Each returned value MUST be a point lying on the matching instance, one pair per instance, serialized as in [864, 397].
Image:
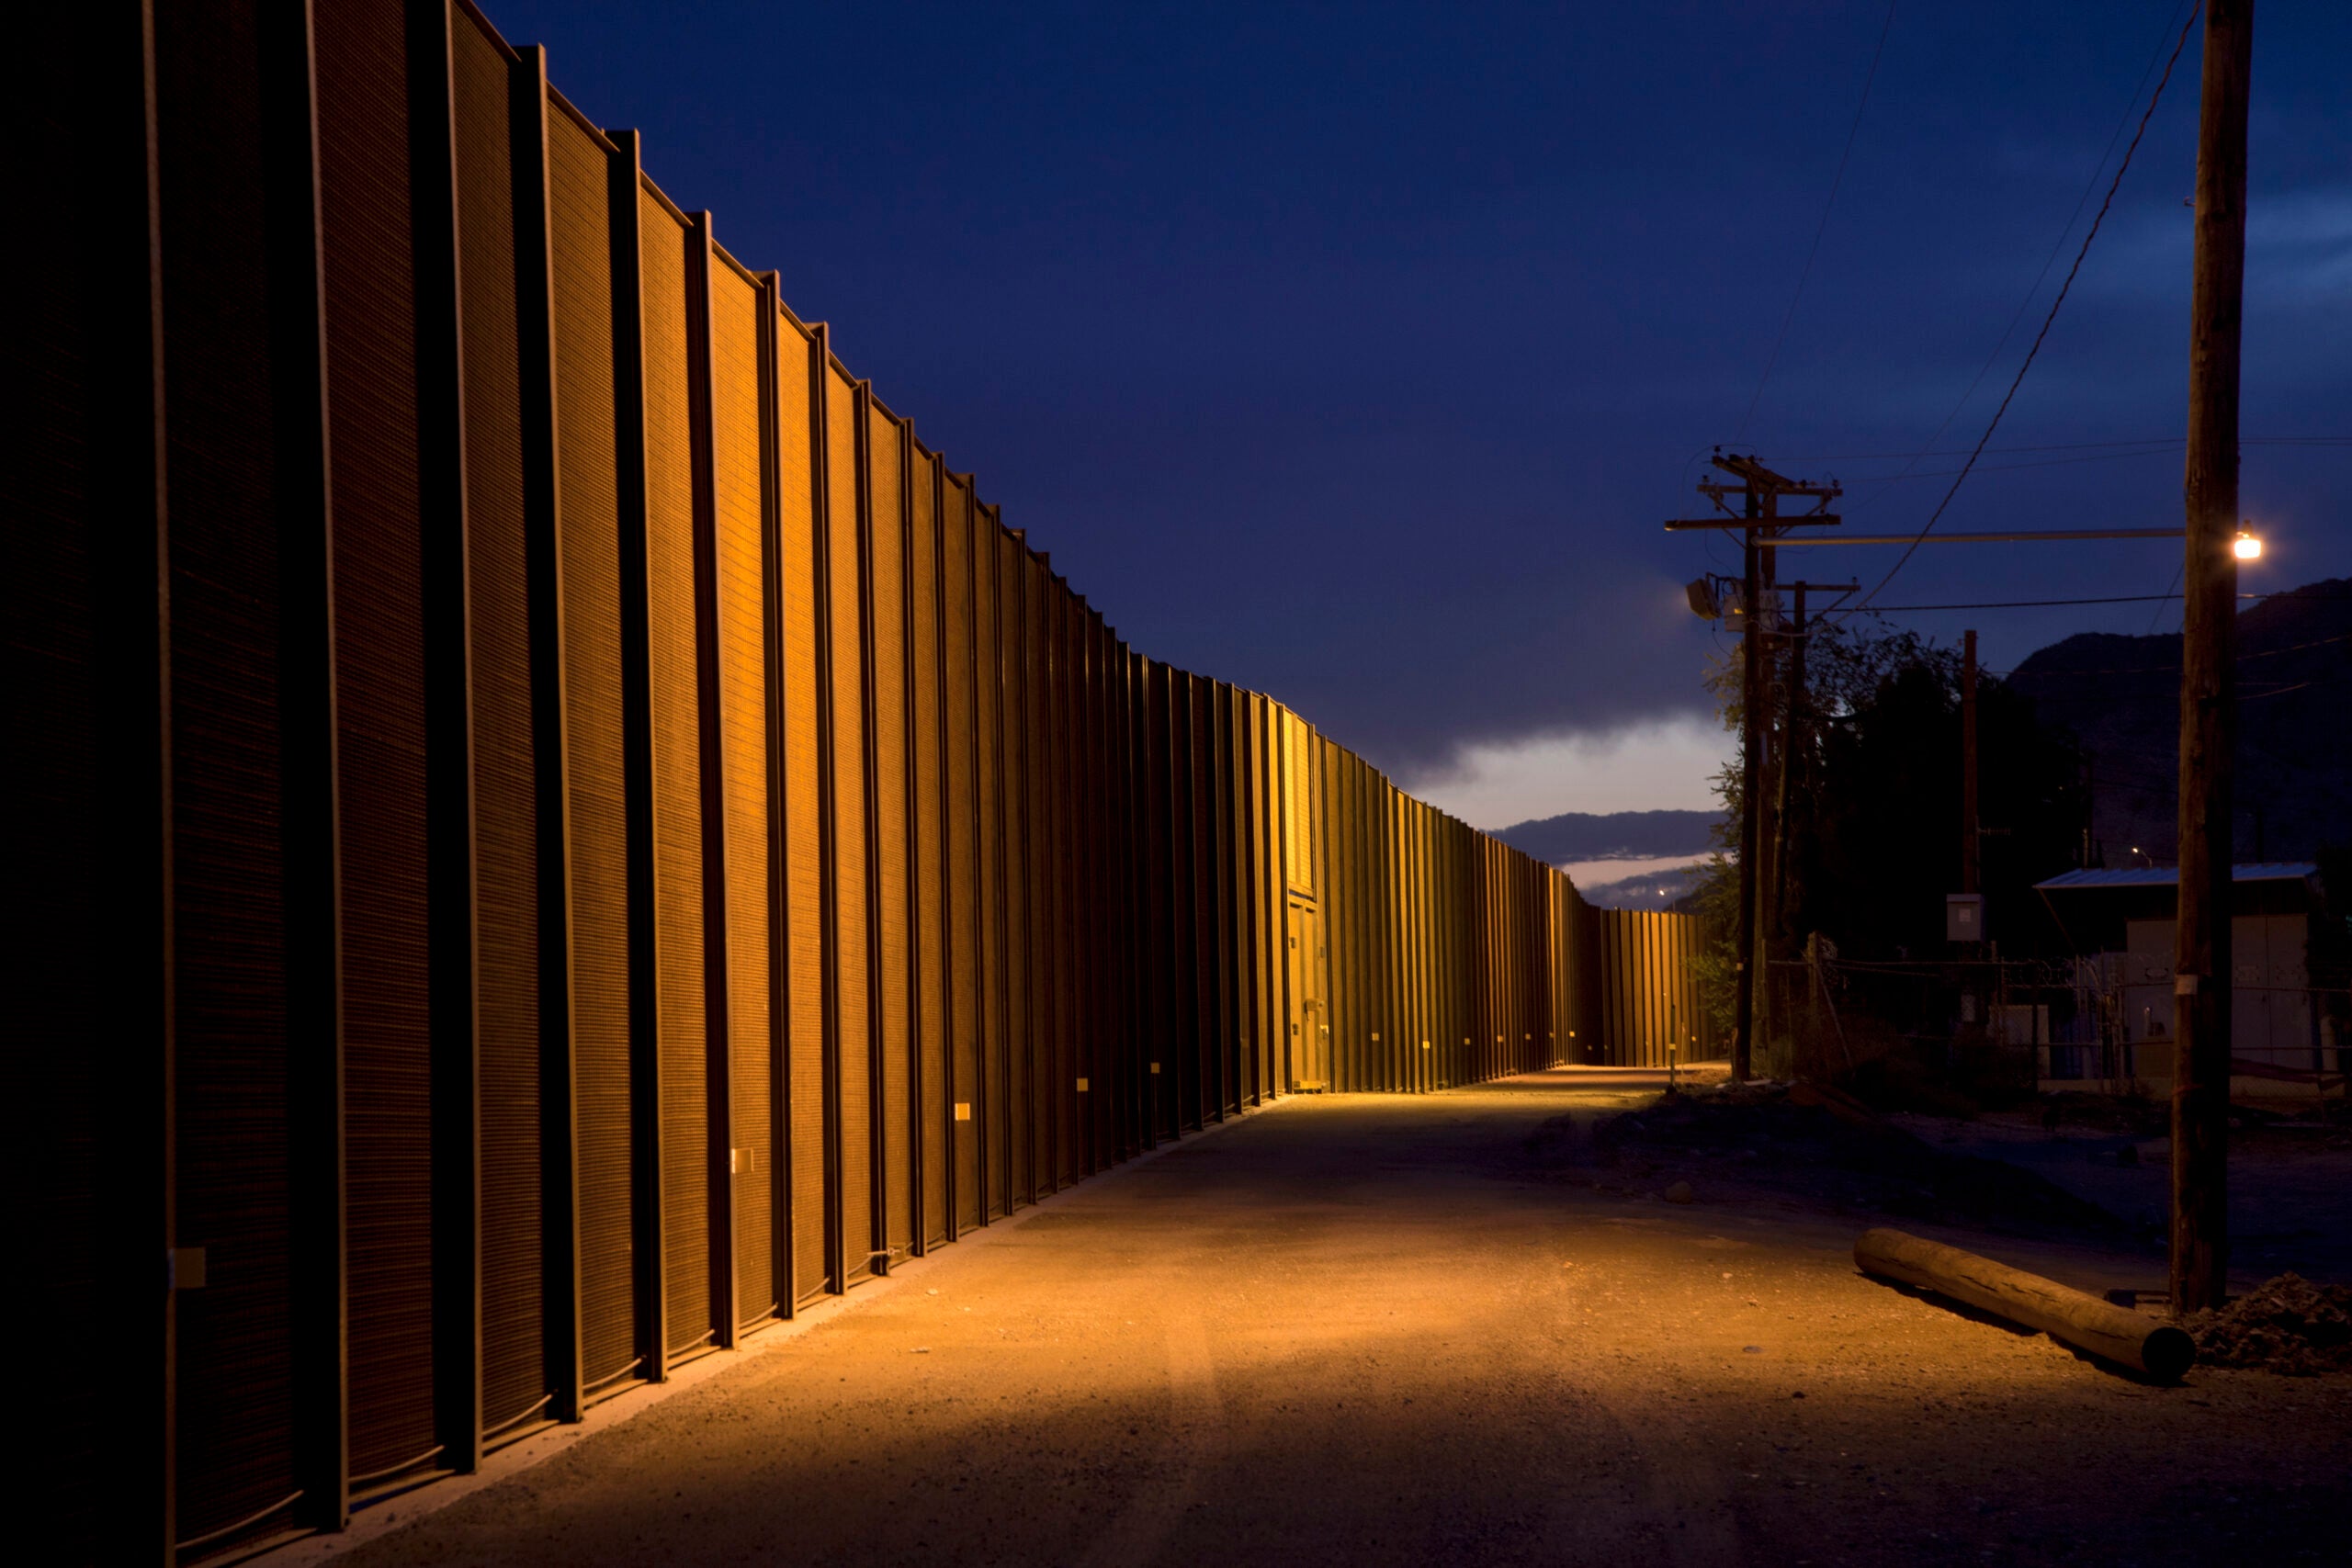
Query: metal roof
[2169, 876]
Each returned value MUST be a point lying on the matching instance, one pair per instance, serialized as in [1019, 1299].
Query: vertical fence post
[450, 833]
[551, 745]
[293, 248]
[651, 1242]
[783, 1241]
[719, 1116]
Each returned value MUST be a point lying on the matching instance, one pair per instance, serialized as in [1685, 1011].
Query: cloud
[2297, 243]
[1666, 765]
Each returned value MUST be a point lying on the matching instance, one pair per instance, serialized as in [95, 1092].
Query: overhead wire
[2016, 604]
[2078, 446]
[2106, 204]
[2043, 603]
[2171, 591]
[2175, 669]
[2057, 248]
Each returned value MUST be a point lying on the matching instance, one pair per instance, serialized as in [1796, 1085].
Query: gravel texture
[1373, 1330]
[1821, 1148]
[2287, 1325]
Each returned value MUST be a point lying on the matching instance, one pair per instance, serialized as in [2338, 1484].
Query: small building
[2283, 1040]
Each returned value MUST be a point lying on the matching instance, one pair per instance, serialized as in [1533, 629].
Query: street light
[2245, 546]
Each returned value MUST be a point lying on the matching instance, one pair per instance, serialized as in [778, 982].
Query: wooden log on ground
[2160, 1349]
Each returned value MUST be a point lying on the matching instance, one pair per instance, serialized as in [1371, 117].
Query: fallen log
[2160, 1349]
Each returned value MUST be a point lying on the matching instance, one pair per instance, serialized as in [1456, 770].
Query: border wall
[550, 829]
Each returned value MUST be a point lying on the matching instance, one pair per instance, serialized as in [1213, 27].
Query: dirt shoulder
[2290, 1182]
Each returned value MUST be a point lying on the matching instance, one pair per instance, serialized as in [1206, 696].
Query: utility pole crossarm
[1809, 519]
[1755, 475]
[1790, 486]
[1767, 703]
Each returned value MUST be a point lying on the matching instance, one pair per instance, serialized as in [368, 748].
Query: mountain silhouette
[1614, 835]
[2120, 696]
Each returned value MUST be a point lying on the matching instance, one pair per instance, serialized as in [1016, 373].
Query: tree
[1873, 832]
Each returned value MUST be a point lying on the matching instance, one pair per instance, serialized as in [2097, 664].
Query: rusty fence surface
[552, 830]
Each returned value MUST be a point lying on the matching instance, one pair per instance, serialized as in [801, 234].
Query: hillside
[2120, 695]
[1616, 835]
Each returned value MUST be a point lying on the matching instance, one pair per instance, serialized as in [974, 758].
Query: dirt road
[1363, 1330]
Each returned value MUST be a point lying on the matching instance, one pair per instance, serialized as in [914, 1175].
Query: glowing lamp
[2245, 546]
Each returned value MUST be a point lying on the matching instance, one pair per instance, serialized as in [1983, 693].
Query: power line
[2012, 467]
[2117, 599]
[2081, 452]
[2110, 698]
[2038, 463]
[2020, 604]
[2057, 248]
[2175, 669]
[1821, 228]
[2049, 320]
[2172, 591]
[2077, 446]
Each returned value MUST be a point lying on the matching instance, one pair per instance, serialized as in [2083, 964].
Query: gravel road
[1362, 1330]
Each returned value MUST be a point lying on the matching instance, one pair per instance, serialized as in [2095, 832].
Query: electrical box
[1963, 917]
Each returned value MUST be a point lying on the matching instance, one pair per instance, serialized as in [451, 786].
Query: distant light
[2245, 546]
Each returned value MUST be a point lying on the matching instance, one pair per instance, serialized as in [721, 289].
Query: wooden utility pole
[1788, 780]
[1776, 930]
[1751, 766]
[2201, 1091]
[1968, 841]
[1770, 741]
[1759, 520]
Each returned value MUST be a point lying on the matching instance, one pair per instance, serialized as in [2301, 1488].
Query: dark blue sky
[1354, 354]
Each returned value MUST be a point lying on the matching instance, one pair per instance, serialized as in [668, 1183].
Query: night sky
[1355, 353]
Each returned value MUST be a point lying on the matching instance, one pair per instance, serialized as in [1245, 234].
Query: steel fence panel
[967, 1017]
[1091, 898]
[742, 896]
[1158, 957]
[240, 644]
[988, 686]
[503, 763]
[928, 857]
[382, 443]
[1076, 993]
[1047, 973]
[1266, 874]
[596, 871]
[848, 819]
[1017, 1122]
[1047, 869]
[1362, 985]
[1346, 866]
[676, 739]
[1242, 897]
[1196, 956]
[804, 768]
[1209, 862]
[1216, 925]
[888, 763]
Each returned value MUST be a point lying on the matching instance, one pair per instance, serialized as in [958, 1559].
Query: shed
[2121, 924]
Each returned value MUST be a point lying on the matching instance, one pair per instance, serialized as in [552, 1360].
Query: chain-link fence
[1966, 1033]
